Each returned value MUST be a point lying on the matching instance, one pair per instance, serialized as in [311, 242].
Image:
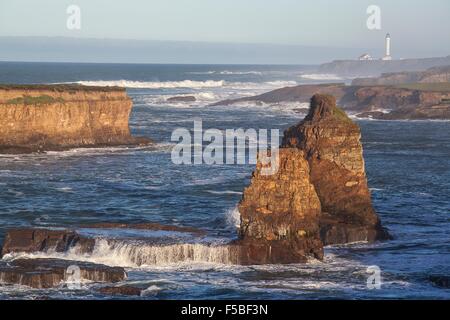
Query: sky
[418, 28]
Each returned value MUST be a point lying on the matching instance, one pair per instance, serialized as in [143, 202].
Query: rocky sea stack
[319, 196]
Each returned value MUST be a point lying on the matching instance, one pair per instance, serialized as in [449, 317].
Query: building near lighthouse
[387, 52]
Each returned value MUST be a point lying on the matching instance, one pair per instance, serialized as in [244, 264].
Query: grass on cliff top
[59, 87]
[341, 115]
[28, 100]
[439, 86]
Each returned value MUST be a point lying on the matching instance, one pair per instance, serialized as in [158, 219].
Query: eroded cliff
[54, 117]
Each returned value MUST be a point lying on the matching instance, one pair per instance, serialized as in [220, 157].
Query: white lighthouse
[387, 54]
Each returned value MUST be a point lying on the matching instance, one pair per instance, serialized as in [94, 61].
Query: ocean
[407, 163]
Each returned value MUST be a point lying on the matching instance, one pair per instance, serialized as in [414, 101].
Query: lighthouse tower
[387, 54]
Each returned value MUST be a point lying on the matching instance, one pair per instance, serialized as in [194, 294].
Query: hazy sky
[418, 28]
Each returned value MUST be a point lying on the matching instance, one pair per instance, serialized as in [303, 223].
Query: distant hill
[377, 67]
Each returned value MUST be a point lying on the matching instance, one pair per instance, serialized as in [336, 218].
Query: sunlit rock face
[331, 145]
[279, 214]
[54, 117]
[318, 196]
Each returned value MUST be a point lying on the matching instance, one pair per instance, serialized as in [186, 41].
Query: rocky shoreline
[319, 196]
[37, 118]
[423, 101]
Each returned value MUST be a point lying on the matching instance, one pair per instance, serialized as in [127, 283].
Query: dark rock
[49, 273]
[441, 281]
[302, 93]
[34, 240]
[120, 290]
[182, 99]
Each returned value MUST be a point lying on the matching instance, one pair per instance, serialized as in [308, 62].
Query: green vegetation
[341, 115]
[29, 100]
[438, 86]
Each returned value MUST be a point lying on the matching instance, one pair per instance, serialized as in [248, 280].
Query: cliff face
[319, 195]
[331, 143]
[279, 214]
[34, 118]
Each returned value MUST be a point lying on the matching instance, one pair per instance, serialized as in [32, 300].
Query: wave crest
[155, 84]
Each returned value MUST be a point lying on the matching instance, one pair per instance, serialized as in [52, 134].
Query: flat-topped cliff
[55, 117]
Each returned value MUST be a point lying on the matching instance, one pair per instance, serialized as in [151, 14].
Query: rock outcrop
[29, 240]
[302, 93]
[407, 101]
[49, 273]
[318, 196]
[55, 117]
[123, 290]
[332, 147]
[182, 99]
[279, 214]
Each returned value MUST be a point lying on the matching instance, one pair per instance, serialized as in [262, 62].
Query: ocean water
[407, 162]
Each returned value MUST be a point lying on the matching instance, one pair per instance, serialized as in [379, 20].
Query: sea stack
[331, 144]
[279, 214]
[318, 196]
[55, 117]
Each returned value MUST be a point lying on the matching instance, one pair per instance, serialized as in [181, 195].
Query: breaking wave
[136, 254]
[233, 217]
[227, 72]
[186, 84]
[155, 84]
[321, 76]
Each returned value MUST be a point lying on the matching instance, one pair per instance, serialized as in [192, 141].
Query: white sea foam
[223, 192]
[155, 84]
[233, 217]
[321, 76]
[134, 254]
[226, 72]
[193, 84]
